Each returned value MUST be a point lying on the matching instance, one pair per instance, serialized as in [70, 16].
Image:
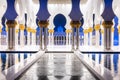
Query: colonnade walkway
[57, 66]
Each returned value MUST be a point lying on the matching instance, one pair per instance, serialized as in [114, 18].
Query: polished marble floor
[57, 66]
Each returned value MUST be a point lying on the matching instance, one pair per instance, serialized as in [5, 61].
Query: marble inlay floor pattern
[57, 66]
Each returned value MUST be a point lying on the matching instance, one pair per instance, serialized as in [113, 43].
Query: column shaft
[77, 38]
[11, 38]
[73, 38]
[45, 38]
[41, 31]
[107, 38]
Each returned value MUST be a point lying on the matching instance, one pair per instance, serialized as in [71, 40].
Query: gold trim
[90, 29]
[102, 31]
[85, 31]
[75, 24]
[11, 23]
[51, 31]
[17, 30]
[97, 27]
[0, 30]
[107, 24]
[68, 31]
[28, 29]
[112, 29]
[43, 24]
[21, 26]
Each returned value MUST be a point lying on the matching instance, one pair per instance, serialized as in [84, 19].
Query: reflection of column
[96, 59]
[28, 35]
[102, 38]
[97, 34]
[107, 61]
[107, 34]
[16, 58]
[11, 60]
[0, 59]
[112, 65]
[11, 33]
[119, 64]
[22, 27]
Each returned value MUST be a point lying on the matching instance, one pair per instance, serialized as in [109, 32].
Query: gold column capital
[90, 29]
[17, 30]
[33, 30]
[102, 31]
[11, 23]
[51, 31]
[0, 30]
[21, 26]
[28, 29]
[119, 30]
[112, 29]
[75, 24]
[97, 27]
[85, 31]
[107, 24]
[68, 31]
[43, 24]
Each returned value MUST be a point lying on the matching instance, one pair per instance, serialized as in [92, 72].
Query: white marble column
[22, 37]
[90, 34]
[97, 35]
[86, 37]
[69, 42]
[102, 37]
[67, 37]
[112, 37]
[6, 35]
[16, 37]
[49, 38]
[28, 35]
[119, 64]
[33, 36]
[52, 37]
[0, 36]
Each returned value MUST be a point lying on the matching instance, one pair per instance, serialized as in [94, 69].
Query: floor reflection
[9, 59]
[109, 61]
[57, 66]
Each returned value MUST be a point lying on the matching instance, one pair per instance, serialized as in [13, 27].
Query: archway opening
[59, 30]
[59, 22]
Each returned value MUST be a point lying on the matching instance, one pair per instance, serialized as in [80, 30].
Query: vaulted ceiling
[59, 1]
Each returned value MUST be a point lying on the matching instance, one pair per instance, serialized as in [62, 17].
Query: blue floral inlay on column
[43, 13]
[108, 13]
[75, 13]
[10, 13]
